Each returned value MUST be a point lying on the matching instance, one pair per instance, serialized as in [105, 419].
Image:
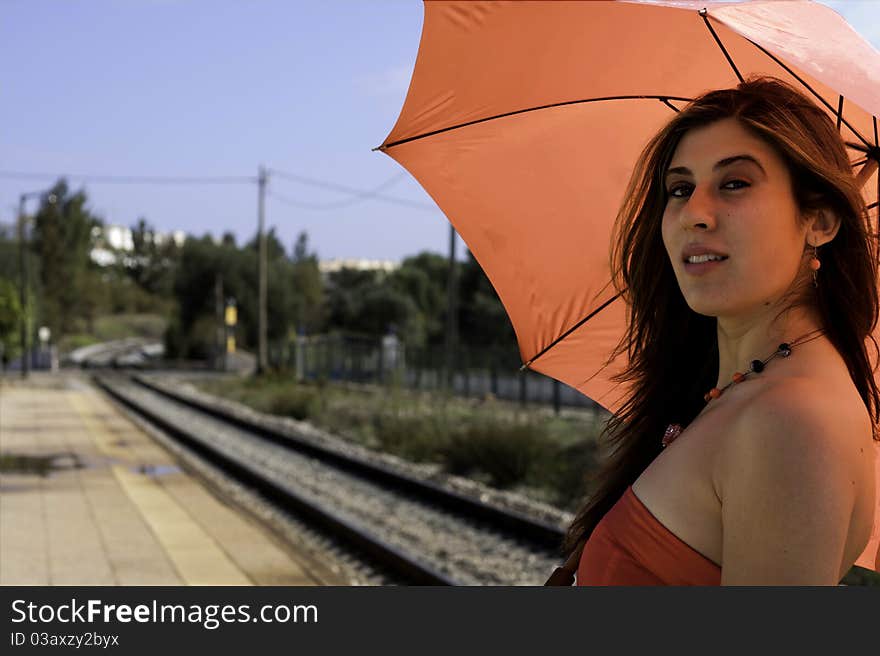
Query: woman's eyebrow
[727, 161]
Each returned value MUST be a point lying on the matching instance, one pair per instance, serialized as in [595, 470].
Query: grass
[117, 326]
[120, 326]
[496, 442]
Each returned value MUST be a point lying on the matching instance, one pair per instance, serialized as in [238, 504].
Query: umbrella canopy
[523, 121]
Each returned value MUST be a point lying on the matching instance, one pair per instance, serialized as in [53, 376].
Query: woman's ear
[822, 227]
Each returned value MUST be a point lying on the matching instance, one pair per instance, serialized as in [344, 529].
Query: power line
[130, 179]
[359, 198]
[359, 194]
[345, 203]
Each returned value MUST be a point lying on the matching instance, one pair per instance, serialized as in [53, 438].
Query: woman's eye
[683, 190]
[742, 184]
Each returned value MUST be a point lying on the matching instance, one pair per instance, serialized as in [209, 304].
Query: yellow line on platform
[198, 559]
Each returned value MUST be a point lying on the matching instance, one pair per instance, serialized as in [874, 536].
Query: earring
[814, 264]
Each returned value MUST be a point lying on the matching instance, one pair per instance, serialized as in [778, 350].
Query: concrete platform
[87, 498]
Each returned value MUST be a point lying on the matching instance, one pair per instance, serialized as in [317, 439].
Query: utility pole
[220, 328]
[451, 313]
[22, 289]
[23, 272]
[262, 360]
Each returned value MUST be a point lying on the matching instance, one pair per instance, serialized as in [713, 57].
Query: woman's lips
[702, 268]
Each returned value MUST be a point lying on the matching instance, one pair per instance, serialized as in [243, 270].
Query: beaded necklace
[756, 367]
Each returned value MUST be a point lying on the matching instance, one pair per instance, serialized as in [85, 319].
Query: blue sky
[215, 88]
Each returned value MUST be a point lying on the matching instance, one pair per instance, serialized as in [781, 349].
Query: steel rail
[386, 555]
[542, 533]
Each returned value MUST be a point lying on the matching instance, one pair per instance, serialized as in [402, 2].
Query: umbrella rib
[666, 102]
[529, 109]
[572, 329]
[813, 91]
[664, 99]
[871, 152]
[877, 145]
[600, 308]
[703, 13]
[838, 113]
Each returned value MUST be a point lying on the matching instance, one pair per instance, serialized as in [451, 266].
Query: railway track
[417, 530]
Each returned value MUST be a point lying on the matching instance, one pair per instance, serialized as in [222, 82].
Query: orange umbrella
[523, 121]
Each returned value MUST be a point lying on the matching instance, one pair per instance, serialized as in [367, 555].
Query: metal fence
[474, 372]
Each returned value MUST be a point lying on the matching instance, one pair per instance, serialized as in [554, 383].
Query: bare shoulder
[795, 462]
[802, 423]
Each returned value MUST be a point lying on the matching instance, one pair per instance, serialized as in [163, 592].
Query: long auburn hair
[673, 351]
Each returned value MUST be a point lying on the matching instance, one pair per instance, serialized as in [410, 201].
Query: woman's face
[729, 195]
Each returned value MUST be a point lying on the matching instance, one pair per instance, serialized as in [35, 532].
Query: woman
[735, 461]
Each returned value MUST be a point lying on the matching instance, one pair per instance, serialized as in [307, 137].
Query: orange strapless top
[630, 546]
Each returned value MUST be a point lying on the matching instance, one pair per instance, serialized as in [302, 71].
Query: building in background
[114, 241]
[360, 264]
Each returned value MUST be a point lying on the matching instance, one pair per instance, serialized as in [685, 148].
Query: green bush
[505, 451]
[552, 457]
[564, 472]
[120, 326]
[297, 402]
[420, 438]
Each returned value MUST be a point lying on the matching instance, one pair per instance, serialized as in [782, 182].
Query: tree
[202, 263]
[151, 263]
[62, 239]
[10, 319]
[345, 291]
[308, 287]
[367, 302]
[274, 247]
[423, 278]
[383, 307]
[483, 321]
[9, 252]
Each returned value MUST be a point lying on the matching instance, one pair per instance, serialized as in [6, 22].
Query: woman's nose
[699, 211]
